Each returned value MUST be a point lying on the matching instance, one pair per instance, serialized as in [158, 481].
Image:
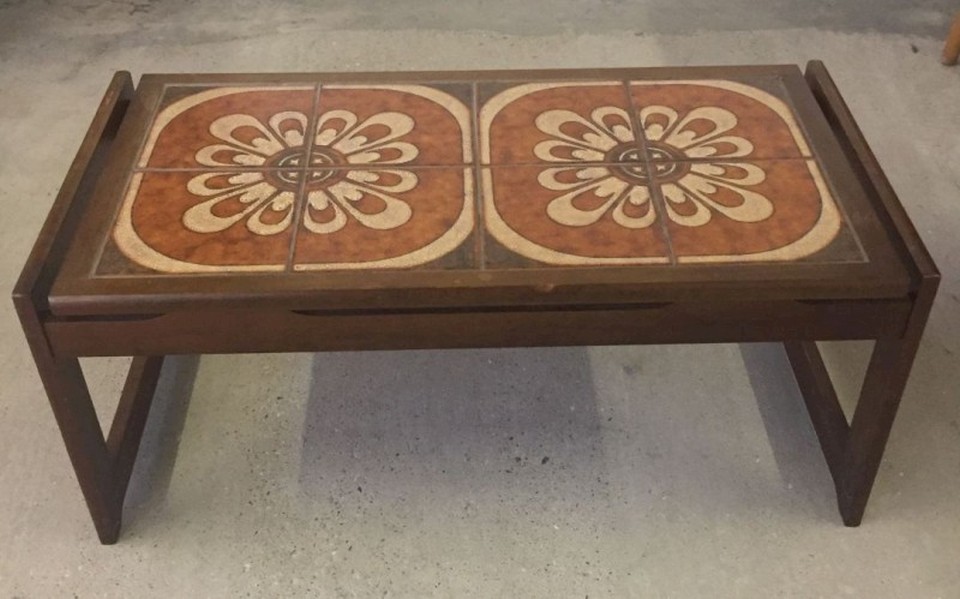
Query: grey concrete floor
[670, 471]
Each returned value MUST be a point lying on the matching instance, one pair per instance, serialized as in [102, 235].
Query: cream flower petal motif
[577, 139]
[364, 194]
[690, 201]
[591, 191]
[330, 207]
[663, 125]
[246, 196]
[688, 153]
[617, 196]
[264, 199]
[699, 143]
[371, 141]
[248, 142]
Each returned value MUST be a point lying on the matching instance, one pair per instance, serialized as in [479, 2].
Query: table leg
[102, 465]
[854, 451]
[872, 420]
[77, 419]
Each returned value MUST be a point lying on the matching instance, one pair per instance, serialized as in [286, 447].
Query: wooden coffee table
[311, 212]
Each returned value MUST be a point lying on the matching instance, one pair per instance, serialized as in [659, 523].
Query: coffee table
[357, 211]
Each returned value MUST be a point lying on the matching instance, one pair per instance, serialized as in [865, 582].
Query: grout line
[544, 164]
[479, 225]
[659, 204]
[271, 169]
[738, 159]
[280, 85]
[640, 142]
[461, 165]
[218, 169]
[300, 201]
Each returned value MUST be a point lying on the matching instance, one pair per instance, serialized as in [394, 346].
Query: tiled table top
[474, 175]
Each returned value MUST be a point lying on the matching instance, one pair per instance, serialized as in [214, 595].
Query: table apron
[253, 331]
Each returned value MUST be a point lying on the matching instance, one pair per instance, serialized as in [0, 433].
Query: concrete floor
[676, 471]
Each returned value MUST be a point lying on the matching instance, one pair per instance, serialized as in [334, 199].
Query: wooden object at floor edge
[951, 48]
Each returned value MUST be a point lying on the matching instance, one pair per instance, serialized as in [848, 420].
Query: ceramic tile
[556, 123]
[709, 119]
[206, 221]
[231, 127]
[383, 176]
[572, 215]
[393, 125]
[386, 218]
[769, 211]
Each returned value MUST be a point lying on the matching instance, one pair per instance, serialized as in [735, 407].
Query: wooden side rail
[868, 169]
[246, 331]
[47, 254]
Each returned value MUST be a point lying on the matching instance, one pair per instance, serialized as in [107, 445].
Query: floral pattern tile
[573, 215]
[557, 122]
[461, 175]
[769, 211]
[189, 221]
[692, 120]
[230, 178]
[399, 124]
[386, 218]
[232, 128]
[689, 212]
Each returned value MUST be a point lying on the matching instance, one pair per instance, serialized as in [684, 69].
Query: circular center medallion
[631, 167]
[287, 169]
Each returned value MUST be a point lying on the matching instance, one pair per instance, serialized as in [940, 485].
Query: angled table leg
[77, 419]
[853, 452]
[872, 421]
[102, 465]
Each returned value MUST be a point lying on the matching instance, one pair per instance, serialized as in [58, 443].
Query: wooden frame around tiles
[65, 316]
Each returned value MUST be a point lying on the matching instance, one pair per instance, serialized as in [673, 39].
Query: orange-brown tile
[388, 218]
[768, 211]
[393, 125]
[556, 123]
[186, 222]
[231, 127]
[715, 119]
[573, 215]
